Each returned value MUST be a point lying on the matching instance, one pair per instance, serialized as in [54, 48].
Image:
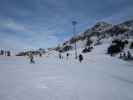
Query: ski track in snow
[99, 77]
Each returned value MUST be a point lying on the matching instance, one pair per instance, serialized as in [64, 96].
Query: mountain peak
[101, 26]
[102, 23]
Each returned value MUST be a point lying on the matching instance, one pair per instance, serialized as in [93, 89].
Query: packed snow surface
[98, 77]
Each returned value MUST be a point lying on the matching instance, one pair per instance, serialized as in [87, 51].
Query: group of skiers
[5, 53]
[80, 57]
[32, 60]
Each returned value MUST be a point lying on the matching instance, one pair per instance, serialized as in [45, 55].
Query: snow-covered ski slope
[98, 77]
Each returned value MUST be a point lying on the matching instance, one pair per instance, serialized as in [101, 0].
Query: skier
[40, 54]
[67, 55]
[129, 55]
[80, 58]
[121, 55]
[31, 58]
[8, 53]
[60, 56]
[2, 52]
[124, 54]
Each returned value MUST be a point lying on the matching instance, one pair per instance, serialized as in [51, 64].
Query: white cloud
[18, 42]
[14, 26]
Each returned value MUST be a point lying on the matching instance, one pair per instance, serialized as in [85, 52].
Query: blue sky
[46, 23]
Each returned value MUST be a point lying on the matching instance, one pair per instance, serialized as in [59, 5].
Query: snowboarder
[80, 58]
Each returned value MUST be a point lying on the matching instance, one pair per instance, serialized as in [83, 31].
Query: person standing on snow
[60, 55]
[129, 56]
[8, 53]
[31, 58]
[81, 58]
[67, 55]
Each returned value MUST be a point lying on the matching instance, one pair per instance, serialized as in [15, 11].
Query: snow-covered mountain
[100, 33]
[99, 27]
[100, 30]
